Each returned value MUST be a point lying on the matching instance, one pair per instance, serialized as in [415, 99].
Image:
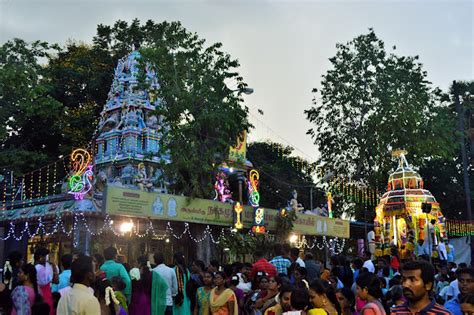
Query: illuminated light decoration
[259, 221]
[329, 196]
[238, 209]
[254, 196]
[221, 188]
[80, 182]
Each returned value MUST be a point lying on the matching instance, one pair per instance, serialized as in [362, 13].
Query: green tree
[372, 102]
[281, 173]
[30, 124]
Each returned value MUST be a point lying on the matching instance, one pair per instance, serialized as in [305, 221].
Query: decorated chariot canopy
[405, 211]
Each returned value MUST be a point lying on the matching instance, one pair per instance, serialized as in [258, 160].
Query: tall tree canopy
[372, 102]
[50, 107]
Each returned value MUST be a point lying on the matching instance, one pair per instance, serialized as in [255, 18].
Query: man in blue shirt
[465, 278]
[65, 276]
[279, 261]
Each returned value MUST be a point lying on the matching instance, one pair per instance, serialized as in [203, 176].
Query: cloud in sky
[283, 46]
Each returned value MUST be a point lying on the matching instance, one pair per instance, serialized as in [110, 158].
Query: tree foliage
[49, 108]
[372, 102]
[280, 174]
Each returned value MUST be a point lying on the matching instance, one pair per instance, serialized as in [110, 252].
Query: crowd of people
[289, 283]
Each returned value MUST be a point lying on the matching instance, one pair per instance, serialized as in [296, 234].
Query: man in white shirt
[295, 256]
[80, 300]
[368, 264]
[169, 276]
[443, 254]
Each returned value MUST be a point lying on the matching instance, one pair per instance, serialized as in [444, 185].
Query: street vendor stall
[406, 213]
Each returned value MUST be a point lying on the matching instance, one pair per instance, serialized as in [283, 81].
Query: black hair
[467, 298]
[234, 280]
[300, 299]
[40, 308]
[40, 252]
[462, 265]
[465, 271]
[369, 281]
[159, 258]
[284, 289]
[277, 249]
[427, 270]
[99, 290]
[66, 261]
[349, 295]
[200, 264]
[358, 263]
[396, 293]
[117, 283]
[295, 251]
[179, 259]
[322, 287]
[30, 270]
[286, 248]
[100, 259]
[110, 253]
[142, 260]
[308, 256]
[221, 274]
[247, 265]
[214, 263]
[302, 271]
[80, 268]
[15, 257]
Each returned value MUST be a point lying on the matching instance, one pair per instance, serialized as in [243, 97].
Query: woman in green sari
[202, 294]
[182, 305]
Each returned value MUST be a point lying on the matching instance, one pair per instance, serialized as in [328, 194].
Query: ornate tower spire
[129, 130]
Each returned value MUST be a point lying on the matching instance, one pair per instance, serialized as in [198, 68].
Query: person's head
[308, 256]
[98, 259]
[15, 258]
[465, 278]
[462, 265]
[295, 252]
[234, 281]
[110, 253]
[381, 263]
[213, 266]
[159, 258]
[27, 273]
[219, 279]
[467, 304]
[117, 283]
[367, 255]
[274, 283]
[396, 293]
[417, 280]
[207, 278]
[420, 242]
[346, 299]
[100, 290]
[82, 271]
[278, 249]
[299, 299]
[433, 221]
[285, 297]
[40, 255]
[246, 269]
[368, 285]
[299, 273]
[452, 265]
[66, 261]
[262, 281]
[197, 266]
[178, 259]
[321, 293]
[358, 263]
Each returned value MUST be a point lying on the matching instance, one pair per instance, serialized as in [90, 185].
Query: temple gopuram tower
[128, 134]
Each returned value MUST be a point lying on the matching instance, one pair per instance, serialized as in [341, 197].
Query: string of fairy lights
[80, 223]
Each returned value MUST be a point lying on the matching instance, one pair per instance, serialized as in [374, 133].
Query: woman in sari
[182, 305]
[222, 300]
[46, 274]
[202, 294]
[25, 294]
[141, 290]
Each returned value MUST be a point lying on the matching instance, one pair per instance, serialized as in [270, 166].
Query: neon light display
[80, 182]
[254, 196]
[238, 209]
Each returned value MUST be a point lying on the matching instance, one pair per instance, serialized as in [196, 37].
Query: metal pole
[311, 198]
